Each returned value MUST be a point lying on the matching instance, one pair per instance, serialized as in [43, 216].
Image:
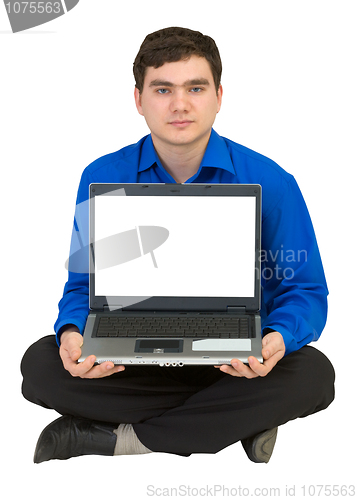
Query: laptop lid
[175, 247]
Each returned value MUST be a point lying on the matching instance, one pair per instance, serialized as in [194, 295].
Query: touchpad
[158, 345]
[222, 345]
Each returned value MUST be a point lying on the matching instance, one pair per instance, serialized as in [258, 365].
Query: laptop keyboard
[211, 327]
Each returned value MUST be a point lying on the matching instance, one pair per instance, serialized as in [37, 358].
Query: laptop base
[170, 351]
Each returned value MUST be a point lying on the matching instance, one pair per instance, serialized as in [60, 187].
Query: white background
[289, 83]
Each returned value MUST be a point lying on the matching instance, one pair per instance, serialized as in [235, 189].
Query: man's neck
[182, 161]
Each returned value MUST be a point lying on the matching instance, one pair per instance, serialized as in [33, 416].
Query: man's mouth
[181, 123]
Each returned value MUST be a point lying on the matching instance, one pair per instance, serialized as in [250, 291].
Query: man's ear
[219, 98]
[137, 97]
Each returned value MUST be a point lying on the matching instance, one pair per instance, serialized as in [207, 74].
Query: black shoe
[259, 448]
[69, 437]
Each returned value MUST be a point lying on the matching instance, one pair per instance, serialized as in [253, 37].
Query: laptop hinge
[236, 310]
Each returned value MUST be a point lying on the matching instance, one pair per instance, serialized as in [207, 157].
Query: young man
[125, 410]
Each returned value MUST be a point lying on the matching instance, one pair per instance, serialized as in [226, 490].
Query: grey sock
[128, 442]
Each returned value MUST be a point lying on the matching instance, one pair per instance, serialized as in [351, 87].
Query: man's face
[179, 102]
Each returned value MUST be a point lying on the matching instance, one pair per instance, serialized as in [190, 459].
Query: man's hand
[273, 350]
[70, 352]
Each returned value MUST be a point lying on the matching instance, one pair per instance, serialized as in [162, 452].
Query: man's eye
[196, 89]
[162, 91]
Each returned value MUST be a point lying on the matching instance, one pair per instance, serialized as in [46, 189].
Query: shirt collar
[216, 154]
[148, 154]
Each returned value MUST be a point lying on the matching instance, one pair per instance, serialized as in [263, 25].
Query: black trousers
[183, 410]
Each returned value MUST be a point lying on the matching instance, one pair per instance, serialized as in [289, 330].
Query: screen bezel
[204, 304]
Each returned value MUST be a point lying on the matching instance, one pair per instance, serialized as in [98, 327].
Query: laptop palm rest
[222, 345]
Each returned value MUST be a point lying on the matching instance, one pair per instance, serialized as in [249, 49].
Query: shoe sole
[263, 445]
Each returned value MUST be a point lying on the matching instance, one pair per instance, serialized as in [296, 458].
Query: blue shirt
[294, 290]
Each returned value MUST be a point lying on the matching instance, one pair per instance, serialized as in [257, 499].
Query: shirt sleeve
[74, 305]
[294, 290]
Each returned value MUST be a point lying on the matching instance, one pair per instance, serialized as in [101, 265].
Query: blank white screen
[210, 251]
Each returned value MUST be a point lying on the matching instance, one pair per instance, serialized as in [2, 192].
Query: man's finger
[72, 345]
[262, 369]
[74, 353]
[230, 370]
[238, 369]
[103, 370]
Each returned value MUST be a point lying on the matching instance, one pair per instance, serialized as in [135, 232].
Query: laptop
[174, 274]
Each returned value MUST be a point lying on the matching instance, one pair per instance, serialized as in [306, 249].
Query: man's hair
[172, 45]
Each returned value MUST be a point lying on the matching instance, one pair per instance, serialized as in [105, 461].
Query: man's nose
[180, 101]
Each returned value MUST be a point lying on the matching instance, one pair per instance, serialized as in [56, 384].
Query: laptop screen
[175, 246]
